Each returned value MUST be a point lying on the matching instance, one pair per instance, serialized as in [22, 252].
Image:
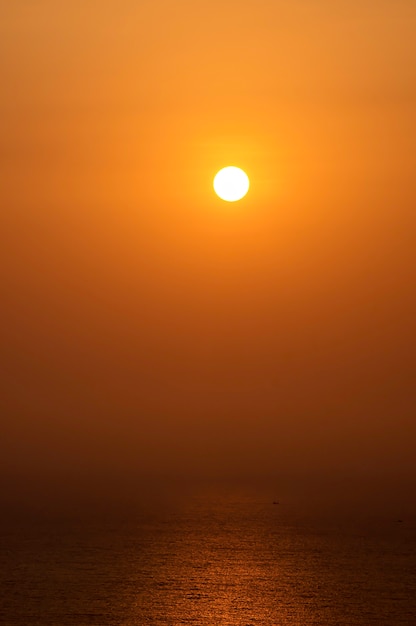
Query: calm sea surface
[215, 558]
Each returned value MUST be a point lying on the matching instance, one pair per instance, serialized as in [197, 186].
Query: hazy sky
[147, 325]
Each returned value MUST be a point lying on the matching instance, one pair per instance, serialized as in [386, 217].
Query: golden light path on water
[212, 558]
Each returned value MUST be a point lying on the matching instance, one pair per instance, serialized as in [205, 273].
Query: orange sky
[148, 326]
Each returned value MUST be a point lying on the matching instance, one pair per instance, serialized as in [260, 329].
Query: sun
[231, 184]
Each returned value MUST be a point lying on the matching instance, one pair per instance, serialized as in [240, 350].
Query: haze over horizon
[149, 329]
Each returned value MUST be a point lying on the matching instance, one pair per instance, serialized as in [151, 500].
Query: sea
[210, 556]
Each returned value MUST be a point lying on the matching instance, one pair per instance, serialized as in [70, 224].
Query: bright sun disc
[231, 184]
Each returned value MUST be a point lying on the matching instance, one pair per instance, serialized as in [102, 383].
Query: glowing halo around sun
[231, 184]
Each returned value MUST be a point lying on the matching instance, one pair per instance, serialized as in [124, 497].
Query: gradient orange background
[148, 326]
